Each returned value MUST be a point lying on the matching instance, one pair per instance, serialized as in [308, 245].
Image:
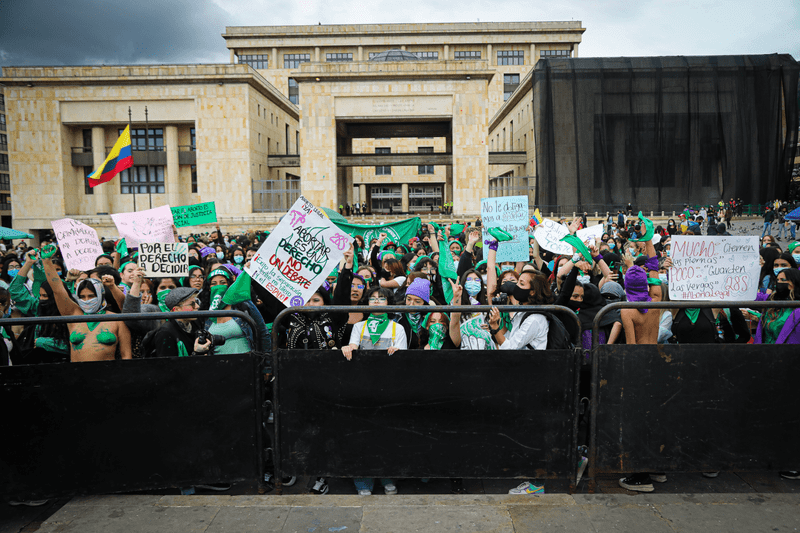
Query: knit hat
[613, 288]
[207, 251]
[421, 288]
[636, 288]
[179, 294]
[793, 246]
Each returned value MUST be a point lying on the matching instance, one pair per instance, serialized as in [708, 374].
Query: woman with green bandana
[350, 290]
[417, 293]
[162, 289]
[428, 266]
[435, 332]
[126, 275]
[44, 343]
[378, 332]
[89, 341]
[136, 302]
[369, 275]
[224, 293]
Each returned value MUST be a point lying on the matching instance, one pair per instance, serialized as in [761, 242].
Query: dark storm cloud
[76, 32]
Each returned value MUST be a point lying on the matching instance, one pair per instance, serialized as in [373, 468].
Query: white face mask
[584, 279]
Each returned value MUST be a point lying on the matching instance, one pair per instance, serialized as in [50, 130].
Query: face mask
[485, 278]
[217, 292]
[612, 245]
[92, 305]
[796, 258]
[456, 252]
[664, 278]
[506, 268]
[13, 272]
[473, 287]
[584, 280]
[238, 259]
[778, 270]
[782, 290]
[521, 295]
[220, 255]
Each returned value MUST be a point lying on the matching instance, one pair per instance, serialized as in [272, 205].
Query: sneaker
[390, 489]
[29, 503]
[659, 478]
[637, 483]
[710, 474]
[365, 492]
[790, 474]
[219, 487]
[320, 487]
[527, 487]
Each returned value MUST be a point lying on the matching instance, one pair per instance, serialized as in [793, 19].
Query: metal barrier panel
[128, 425]
[697, 407]
[418, 413]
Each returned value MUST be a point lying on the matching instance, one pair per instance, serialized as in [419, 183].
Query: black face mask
[782, 291]
[508, 287]
[521, 295]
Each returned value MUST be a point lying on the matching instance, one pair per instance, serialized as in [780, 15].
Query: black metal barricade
[694, 407]
[129, 425]
[416, 413]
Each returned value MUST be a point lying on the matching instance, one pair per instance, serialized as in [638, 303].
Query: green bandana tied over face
[160, 295]
[217, 292]
[436, 336]
[414, 319]
[693, 314]
[376, 325]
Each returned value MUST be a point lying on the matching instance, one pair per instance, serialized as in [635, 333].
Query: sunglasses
[358, 286]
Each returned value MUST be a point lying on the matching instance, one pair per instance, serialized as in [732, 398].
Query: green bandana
[126, 263]
[221, 272]
[436, 336]
[217, 292]
[693, 314]
[122, 247]
[238, 292]
[182, 350]
[376, 325]
[160, 295]
[414, 319]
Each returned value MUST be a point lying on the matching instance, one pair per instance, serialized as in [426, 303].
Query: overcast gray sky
[76, 32]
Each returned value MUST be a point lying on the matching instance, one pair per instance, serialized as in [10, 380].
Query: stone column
[360, 53]
[489, 57]
[575, 50]
[274, 59]
[316, 54]
[362, 193]
[404, 201]
[533, 54]
[101, 192]
[172, 185]
[318, 139]
[446, 52]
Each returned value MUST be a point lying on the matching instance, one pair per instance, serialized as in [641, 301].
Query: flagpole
[147, 152]
[132, 170]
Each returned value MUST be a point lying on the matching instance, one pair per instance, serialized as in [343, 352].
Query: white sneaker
[390, 489]
[526, 487]
[365, 492]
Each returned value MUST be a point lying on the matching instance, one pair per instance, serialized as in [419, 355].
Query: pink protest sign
[78, 243]
[152, 225]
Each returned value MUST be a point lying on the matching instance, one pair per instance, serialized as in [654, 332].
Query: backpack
[557, 335]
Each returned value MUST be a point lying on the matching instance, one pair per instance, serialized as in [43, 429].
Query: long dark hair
[769, 254]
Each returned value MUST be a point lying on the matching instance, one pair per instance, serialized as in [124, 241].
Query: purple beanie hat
[636, 288]
[207, 251]
[421, 288]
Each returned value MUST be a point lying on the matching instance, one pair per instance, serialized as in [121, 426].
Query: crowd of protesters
[449, 264]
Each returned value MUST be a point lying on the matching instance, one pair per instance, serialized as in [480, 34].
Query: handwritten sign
[714, 268]
[78, 243]
[152, 225]
[591, 233]
[194, 215]
[164, 259]
[299, 254]
[548, 234]
[509, 213]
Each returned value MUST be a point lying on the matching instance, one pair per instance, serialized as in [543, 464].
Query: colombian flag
[118, 160]
[537, 217]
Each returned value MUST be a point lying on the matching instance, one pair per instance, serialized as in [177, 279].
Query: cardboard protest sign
[591, 233]
[152, 225]
[509, 213]
[194, 215]
[714, 268]
[78, 243]
[164, 259]
[548, 234]
[299, 254]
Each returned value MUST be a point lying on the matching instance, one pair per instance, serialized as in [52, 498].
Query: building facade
[5, 176]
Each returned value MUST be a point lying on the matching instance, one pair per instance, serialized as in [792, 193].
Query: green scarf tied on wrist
[376, 325]
[436, 336]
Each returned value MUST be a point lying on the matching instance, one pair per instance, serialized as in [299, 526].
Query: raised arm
[491, 269]
[66, 305]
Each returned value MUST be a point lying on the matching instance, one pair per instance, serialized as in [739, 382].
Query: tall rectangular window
[153, 141]
[194, 178]
[555, 53]
[5, 182]
[425, 169]
[294, 91]
[468, 54]
[294, 60]
[510, 84]
[3, 161]
[511, 57]
[5, 202]
[338, 57]
[427, 56]
[255, 61]
[87, 140]
[383, 170]
[140, 182]
[86, 188]
[193, 139]
[2, 122]
[3, 142]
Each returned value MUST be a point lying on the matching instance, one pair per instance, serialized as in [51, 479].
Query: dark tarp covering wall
[660, 131]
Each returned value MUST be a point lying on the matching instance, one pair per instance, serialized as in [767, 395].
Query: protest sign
[509, 213]
[78, 243]
[194, 215]
[397, 232]
[548, 234]
[152, 225]
[714, 268]
[299, 254]
[164, 259]
[586, 235]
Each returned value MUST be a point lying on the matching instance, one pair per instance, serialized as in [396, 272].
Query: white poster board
[78, 242]
[152, 225]
[714, 268]
[548, 234]
[164, 259]
[586, 235]
[299, 254]
[509, 213]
